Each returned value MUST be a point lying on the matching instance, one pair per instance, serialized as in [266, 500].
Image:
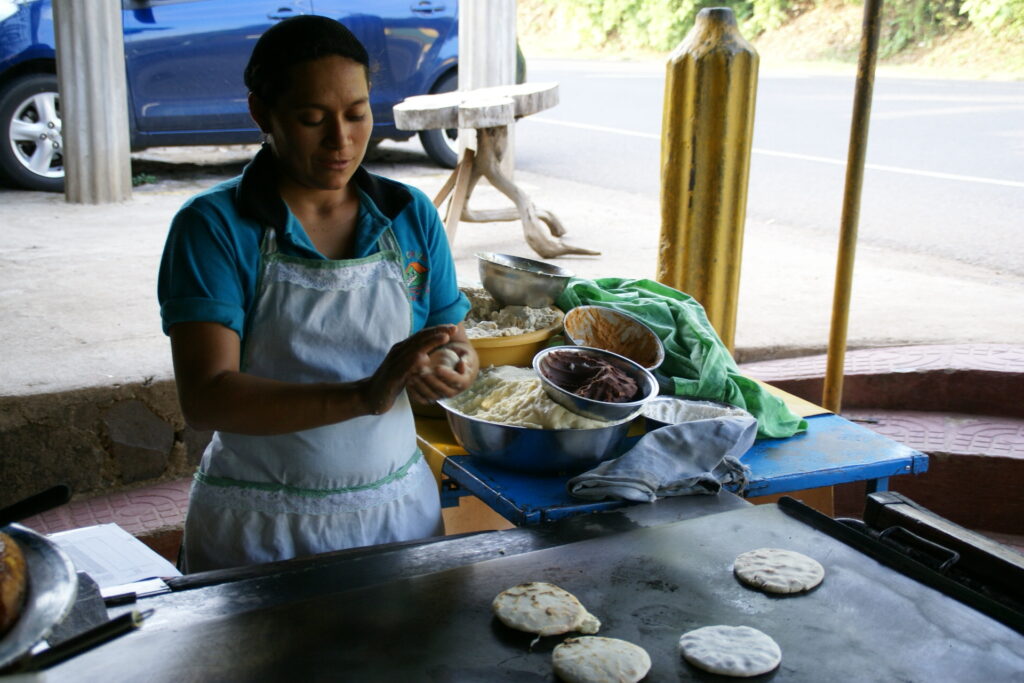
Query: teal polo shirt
[210, 263]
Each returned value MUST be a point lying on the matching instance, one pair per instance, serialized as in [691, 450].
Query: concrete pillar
[93, 101]
[707, 131]
[487, 57]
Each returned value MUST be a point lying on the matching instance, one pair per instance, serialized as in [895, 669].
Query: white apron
[359, 482]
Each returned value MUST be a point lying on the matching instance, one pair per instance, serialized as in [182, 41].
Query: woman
[292, 296]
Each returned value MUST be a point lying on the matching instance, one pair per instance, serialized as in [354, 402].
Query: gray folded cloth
[690, 458]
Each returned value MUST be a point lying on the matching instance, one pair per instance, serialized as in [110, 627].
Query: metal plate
[647, 586]
[52, 587]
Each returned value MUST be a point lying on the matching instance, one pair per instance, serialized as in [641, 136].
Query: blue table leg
[451, 492]
[876, 485]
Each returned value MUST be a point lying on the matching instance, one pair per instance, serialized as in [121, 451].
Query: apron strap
[387, 242]
[268, 245]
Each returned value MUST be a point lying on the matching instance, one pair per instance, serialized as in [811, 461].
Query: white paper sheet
[112, 556]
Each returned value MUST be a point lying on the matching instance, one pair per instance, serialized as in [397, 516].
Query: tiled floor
[140, 512]
[950, 433]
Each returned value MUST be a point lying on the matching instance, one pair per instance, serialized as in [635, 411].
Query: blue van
[184, 63]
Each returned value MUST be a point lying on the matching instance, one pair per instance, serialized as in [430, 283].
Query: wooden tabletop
[481, 108]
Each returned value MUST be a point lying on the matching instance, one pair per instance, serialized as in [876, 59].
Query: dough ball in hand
[441, 357]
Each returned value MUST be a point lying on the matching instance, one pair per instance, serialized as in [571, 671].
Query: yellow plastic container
[517, 350]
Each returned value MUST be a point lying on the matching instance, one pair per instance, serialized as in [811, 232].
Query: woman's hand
[405, 363]
[443, 380]
[215, 395]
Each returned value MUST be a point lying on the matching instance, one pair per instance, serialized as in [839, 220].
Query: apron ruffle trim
[332, 275]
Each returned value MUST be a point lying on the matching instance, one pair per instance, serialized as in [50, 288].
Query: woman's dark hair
[294, 41]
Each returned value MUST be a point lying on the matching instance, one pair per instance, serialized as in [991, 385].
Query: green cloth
[697, 363]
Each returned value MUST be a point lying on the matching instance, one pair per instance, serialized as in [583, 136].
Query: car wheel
[443, 145]
[32, 149]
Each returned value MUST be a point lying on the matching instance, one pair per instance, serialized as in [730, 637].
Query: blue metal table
[832, 451]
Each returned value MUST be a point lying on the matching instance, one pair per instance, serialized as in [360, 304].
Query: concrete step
[977, 458]
[983, 379]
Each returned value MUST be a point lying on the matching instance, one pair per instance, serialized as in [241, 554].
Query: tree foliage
[662, 24]
[651, 24]
[911, 22]
[995, 16]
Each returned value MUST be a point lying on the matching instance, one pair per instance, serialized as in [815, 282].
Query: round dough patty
[593, 659]
[774, 570]
[730, 650]
[544, 609]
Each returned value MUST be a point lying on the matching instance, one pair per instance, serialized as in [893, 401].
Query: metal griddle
[865, 622]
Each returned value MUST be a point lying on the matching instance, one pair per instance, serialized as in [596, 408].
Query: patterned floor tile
[138, 511]
[986, 357]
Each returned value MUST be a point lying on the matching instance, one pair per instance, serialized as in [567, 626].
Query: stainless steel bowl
[647, 385]
[52, 589]
[615, 331]
[669, 410]
[536, 451]
[518, 281]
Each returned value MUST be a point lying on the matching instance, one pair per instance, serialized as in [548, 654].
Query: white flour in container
[514, 396]
[487, 319]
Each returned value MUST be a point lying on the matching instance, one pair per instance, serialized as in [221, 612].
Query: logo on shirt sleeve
[416, 276]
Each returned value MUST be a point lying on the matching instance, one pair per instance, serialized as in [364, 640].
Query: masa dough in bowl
[486, 318]
[514, 396]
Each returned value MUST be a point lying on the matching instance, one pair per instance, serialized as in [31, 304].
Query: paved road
[945, 160]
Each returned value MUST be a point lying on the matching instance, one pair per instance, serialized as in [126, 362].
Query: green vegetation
[912, 22]
[660, 24]
[143, 179]
[996, 16]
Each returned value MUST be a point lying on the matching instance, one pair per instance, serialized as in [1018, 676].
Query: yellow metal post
[707, 130]
[832, 395]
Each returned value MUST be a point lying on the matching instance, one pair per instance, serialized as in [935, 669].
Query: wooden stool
[489, 111]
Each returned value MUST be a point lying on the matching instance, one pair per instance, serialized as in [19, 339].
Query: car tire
[30, 112]
[442, 146]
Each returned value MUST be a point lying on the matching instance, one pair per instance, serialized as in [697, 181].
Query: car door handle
[426, 7]
[282, 13]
